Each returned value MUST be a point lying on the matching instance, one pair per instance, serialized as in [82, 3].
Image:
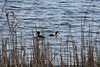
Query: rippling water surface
[49, 16]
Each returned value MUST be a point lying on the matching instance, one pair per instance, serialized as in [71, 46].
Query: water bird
[54, 34]
[38, 35]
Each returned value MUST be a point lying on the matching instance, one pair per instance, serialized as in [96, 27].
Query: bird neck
[55, 33]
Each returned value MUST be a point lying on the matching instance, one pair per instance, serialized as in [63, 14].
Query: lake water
[51, 16]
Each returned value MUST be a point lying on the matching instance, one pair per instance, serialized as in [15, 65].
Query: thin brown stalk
[67, 53]
[73, 52]
[70, 60]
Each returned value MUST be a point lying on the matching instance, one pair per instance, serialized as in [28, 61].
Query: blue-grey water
[49, 16]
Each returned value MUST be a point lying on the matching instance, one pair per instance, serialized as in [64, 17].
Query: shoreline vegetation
[11, 56]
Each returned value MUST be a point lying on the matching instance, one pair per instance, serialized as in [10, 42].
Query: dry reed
[42, 57]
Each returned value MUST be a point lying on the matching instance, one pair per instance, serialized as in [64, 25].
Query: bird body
[38, 35]
[53, 34]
